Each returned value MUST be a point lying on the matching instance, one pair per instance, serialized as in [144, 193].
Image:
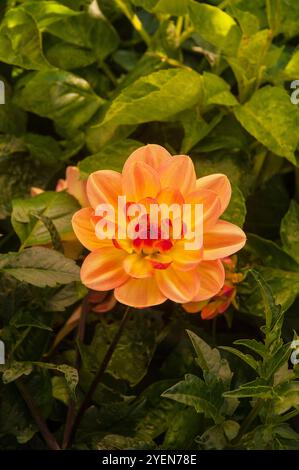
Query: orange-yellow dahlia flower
[146, 271]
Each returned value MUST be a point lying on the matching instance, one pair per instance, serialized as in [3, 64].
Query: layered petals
[177, 285]
[141, 182]
[140, 293]
[212, 208]
[137, 266]
[103, 269]
[212, 276]
[104, 187]
[84, 229]
[218, 183]
[152, 154]
[222, 240]
[180, 174]
[183, 259]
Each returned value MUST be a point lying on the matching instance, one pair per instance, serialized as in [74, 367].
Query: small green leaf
[59, 207]
[248, 359]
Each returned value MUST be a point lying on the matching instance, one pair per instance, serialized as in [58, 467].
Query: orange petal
[170, 196]
[140, 293]
[212, 208]
[179, 174]
[140, 181]
[212, 276]
[222, 240]
[84, 229]
[152, 154]
[137, 266]
[193, 307]
[75, 185]
[176, 285]
[184, 260]
[104, 187]
[103, 269]
[36, 191]
[219, 184]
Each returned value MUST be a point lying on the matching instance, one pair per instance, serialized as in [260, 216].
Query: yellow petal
[84, 229]
[137, 266]
[140, 293]
[179, 174]
[222, 240]
[104, 187]
[218, 183]
[177, 285]
[152, 154]
[140, 181]
[212, 276]
[103, 269]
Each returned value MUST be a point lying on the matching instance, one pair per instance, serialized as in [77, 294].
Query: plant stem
[108, 72]
[99, 375]
[37, 415]
[72, 405]
[248, 420]
[133, 18]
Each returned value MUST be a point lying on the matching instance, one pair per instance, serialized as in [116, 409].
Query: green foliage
[86, 83]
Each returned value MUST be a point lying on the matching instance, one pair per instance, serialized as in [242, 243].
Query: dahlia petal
[140, 293]
[212, 208]
[85, 230]
[103, 269]
[184, 260]
[179, 174]
[218, 183]
[222, 240]
[104, 187]
[75, 185]
[140, 181]
[152, 154]
[178, 286]
[137, 266]
[212, 277]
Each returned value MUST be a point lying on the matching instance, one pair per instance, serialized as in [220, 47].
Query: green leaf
[272, 311]
[215, 26]
[85, 29]
[256, 389]
[56, 206]
[170, 7]
[236, 211]
[43, 148]
[134, 352]
[253, 345]
[279, 270]
[70, 374]
[289, 231]
[247, 358]
[40, 266]
[156, 97]
[58, 95]
[15, 370]
[20, 41]
[185, 426]
[272, 119]
[25, 319]
[111, 157]
[216, 91]
[209, 359]
[194, 392]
